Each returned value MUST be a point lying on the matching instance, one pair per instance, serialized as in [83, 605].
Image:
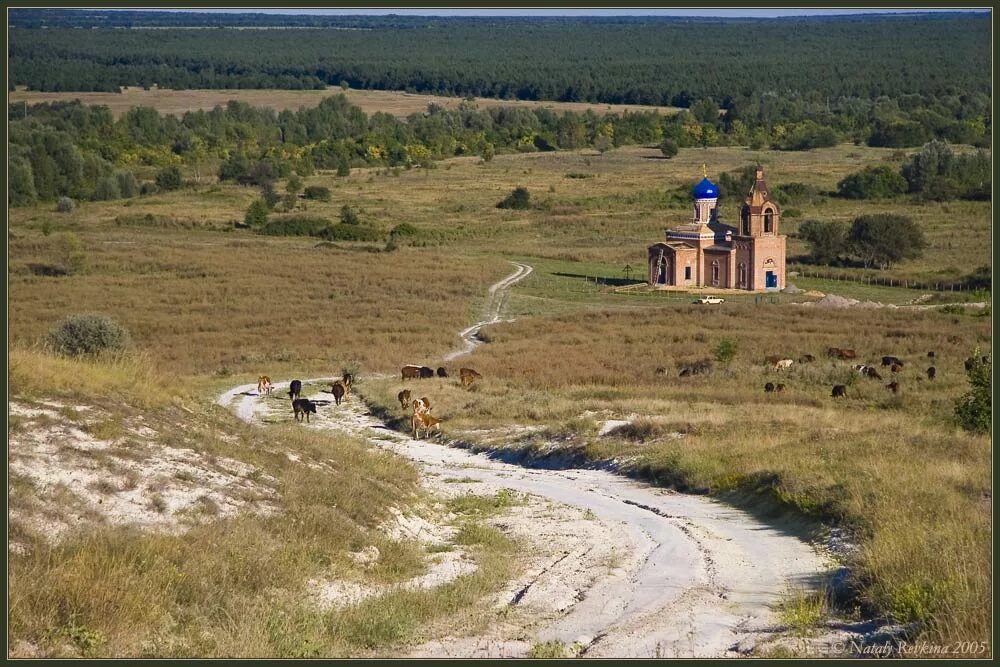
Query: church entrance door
[771, 280]
[661, 274]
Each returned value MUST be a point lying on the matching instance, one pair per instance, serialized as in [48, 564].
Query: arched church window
[715, 272]
[768, 221]
[745, 220]
[743, 275]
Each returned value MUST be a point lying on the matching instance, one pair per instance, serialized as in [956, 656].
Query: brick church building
[707, 253]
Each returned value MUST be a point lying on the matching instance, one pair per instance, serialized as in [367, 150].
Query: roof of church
[719, 248]
[705, 189]
[758, 191]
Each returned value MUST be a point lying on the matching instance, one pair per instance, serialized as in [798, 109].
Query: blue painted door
[771, 280]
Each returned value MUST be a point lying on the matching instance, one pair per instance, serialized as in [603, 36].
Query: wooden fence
[887, 281]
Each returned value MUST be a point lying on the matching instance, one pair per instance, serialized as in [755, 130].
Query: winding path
[700, 578]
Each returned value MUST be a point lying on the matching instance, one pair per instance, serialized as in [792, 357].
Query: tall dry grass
[895, 468]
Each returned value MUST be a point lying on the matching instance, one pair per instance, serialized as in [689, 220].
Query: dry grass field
[397, 103]
[213, 304]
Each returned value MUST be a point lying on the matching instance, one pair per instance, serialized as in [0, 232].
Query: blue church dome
[706, 189]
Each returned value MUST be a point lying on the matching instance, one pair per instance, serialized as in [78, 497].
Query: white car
[710, 299]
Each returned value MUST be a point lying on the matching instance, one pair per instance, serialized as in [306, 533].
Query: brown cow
[780, 387]
[660, 370]
[404, 398]
[848, 354]
[839, 390]
[410, 372]
[468, 376]
[339, 390]
[896, 368]
[833, 352]
[931, 355]
[772, 360]
[348, 381]
[422, 404]
[807, 359]
[425, 421]
[893, 386]
[264, 385]
[872, 373]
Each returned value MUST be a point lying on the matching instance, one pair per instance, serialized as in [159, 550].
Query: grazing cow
[425, 421]
[295, 389]
[931, 373]
[782, 364]
[685, 372]
[348, 381]
[893, 387]
[338, 389]
[772, 360]
[426, 372]
[872, 373]
[468, 376]
[969, 363]
[889, 361]
[442, 373]
[410, 372]
[404, 398]
[264, 385]
[860, 368]
[931, 355]
[422, 404]
[896, 368]
[779, 388]
[660, 370]
[833, 352]
[839, 390]
[303, 406]
[807, 359]
[769, 387]
[848, 354]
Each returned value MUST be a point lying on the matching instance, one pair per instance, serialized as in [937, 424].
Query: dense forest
[649, 61]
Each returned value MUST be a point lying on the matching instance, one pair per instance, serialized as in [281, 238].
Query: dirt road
[687, 576]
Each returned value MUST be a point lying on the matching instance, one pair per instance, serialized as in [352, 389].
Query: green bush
[974, 410]
[127, 184]
[348, 216]
[669, 148]
[344, 232]
[65, 205]
[404, 229]
[317, 192]
[872, 183]
[107, 189]
[520, 198]
[296, 225]
[169, 179]
[257, 214]
[88, 334]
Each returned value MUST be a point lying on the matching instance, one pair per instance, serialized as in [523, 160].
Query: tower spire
[704, 170]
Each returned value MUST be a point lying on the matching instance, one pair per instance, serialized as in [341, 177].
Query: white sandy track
[697, 577]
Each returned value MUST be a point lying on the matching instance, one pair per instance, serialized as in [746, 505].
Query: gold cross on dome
[704, 170]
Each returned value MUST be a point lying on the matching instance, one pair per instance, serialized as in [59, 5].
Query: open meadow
[213, 304]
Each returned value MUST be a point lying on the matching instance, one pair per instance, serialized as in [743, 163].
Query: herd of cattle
[894, 364]
[421, 418]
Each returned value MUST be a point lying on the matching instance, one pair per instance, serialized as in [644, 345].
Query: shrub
[107, 189]
[127, 184]
[169, 178]
[297, 225]
[974, 410]
[65, 205]
[669, 148]
[520, 198]
[269, 194]
[72, 257]
[88, 334]
[343, 168]
[344, 232]
[148, 188]
[348, 216]
[872, 183]
[883, 239]
[404, 229]
[257, 214]
[827, 240]
[317, 192]
[725, 352]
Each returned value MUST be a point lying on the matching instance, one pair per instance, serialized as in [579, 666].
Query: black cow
[442, 373]
[931, 355]
[426, 372]
[807, 359]
[872, 373]
[839, 390]
[295, 389]
[303, 406]
[931, 373]
[769, 387]
[889, 361]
